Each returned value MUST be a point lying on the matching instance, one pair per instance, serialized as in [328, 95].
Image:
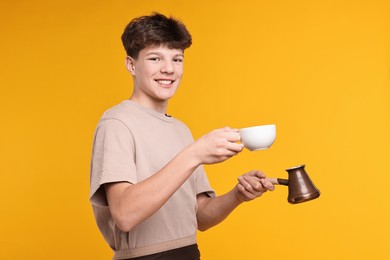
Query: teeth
[165, 82]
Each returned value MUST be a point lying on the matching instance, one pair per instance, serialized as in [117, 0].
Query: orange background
[319, 70]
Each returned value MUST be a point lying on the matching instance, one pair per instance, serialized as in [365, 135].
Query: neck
[158, 106]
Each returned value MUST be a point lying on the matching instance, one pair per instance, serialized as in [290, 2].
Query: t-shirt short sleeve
[112, 158]
[202, 182]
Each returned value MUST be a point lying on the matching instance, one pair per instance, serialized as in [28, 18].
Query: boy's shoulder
[121, 110]
[131, 114]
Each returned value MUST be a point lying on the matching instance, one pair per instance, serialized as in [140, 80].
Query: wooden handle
[278, 181]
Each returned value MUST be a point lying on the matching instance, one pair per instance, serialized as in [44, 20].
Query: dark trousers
[183, 253]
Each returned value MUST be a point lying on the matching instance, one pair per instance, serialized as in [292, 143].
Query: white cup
[258, 137]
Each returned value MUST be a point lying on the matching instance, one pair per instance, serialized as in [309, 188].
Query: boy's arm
[131, 204]
[212, 211]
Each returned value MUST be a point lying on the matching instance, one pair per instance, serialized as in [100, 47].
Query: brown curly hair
[155, 29]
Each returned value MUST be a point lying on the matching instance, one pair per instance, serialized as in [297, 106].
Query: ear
[130, 65]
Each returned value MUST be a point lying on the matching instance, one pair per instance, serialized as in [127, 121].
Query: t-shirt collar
[164, 117]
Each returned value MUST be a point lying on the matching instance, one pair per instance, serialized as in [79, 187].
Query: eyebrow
[159, 53]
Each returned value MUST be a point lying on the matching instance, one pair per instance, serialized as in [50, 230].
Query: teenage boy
[149, 191]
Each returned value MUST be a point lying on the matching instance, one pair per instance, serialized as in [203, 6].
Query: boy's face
[157, 73]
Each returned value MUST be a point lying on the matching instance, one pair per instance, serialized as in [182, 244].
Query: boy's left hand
[252, 185]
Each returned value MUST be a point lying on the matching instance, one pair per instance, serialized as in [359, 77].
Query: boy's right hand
[217, 146]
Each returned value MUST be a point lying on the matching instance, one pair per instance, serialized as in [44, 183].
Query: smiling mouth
[164, 82]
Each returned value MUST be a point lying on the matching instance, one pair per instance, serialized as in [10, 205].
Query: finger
[252, 184]
[255, 184]
[229, 129]
[252, 173]
[243, 179]
[245, 194]
[267, 184]
[260, 174]
[228, 151]
[233, 136]
[235, 147]
[244, 183]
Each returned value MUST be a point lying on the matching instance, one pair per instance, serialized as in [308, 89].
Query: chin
[165, 95]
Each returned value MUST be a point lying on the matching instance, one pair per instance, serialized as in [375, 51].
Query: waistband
[152, 249]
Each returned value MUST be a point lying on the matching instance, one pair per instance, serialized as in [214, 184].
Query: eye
[154, 59]
[178, 60]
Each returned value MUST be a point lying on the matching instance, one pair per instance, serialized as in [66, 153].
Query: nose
[167, 67]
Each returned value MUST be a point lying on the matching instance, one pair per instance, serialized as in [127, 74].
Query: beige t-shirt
[131, 144]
